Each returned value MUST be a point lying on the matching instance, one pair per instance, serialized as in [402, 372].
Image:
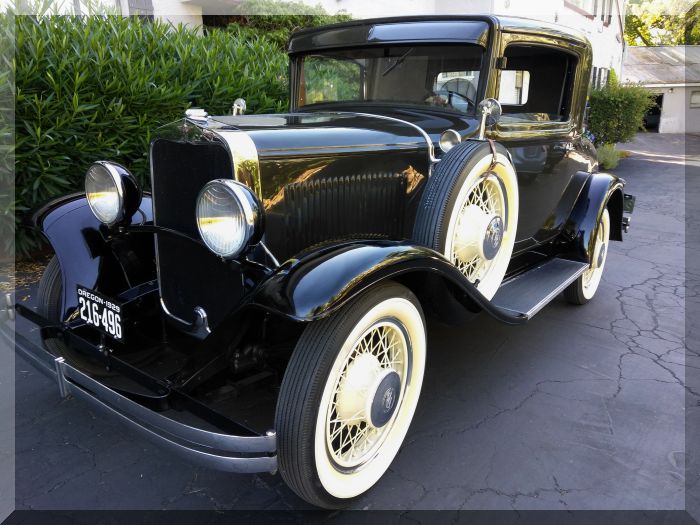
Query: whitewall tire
[584, 288]
[349, 394]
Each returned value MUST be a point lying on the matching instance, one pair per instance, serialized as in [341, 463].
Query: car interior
[536, 84]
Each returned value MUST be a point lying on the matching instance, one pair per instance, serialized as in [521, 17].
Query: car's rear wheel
[349, 394]
[584, 288]
[469, 213]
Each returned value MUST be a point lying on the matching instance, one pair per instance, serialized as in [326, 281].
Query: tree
[662, 23]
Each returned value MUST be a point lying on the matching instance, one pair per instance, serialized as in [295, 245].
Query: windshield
[444, 76]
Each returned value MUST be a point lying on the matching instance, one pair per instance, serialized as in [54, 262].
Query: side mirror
[490, 111]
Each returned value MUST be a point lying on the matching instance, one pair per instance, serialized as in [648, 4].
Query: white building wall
[606, 39]
[673, 110]
[692, 115]
[178, 12]
[676, 114]
[380, 8]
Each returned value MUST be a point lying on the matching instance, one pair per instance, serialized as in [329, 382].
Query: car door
[540, 91]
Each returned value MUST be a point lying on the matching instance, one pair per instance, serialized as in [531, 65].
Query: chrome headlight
[449, 139]
[229, 217]
[112, 192]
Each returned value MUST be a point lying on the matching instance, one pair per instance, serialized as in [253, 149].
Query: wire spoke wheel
[478, 221]
[351, 436]
[349, 394]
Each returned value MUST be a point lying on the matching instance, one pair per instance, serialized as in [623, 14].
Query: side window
[536, 84]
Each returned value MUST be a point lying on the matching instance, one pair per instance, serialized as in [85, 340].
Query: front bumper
[211, 449]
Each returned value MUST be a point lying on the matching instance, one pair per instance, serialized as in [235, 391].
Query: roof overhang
[390, 33]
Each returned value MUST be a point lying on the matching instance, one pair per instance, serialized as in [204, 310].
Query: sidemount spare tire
[469, 212]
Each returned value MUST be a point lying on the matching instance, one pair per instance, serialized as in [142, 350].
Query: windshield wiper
[398, 61]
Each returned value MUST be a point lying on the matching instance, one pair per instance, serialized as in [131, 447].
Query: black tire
[50, 302]
[302, 389]
[574, 293]
[433, 214]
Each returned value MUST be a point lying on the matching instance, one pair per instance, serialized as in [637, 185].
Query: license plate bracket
[101, 312]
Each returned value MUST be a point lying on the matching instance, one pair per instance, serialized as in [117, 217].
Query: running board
[528, 293]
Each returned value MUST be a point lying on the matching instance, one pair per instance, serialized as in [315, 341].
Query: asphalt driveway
[583, 408]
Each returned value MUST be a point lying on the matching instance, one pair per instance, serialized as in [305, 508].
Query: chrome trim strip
[431, 146]
[269, 254]
[244, 155]
[162, 302]
[210, 449]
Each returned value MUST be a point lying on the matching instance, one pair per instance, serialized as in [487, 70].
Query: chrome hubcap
[493, 238]
[367, 394]
[480, 227]
[601, 256]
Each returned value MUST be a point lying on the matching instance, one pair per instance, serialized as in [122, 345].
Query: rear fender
[319, 283]
[600, 191]
[82, 244]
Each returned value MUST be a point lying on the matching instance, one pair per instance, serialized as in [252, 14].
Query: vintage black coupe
[262, 308]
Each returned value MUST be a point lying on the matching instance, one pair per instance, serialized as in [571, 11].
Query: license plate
[101, 312]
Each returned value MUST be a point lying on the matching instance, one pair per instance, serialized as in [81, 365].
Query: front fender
[81, 243]
[600, 190]
[319, 283]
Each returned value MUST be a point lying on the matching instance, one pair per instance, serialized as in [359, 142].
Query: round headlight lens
[227, 216]
[105, 193]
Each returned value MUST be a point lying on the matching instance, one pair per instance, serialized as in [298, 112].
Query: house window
[695, 99]
[594, 78]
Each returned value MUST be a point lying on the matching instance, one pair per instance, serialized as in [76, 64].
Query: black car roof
[422, 29]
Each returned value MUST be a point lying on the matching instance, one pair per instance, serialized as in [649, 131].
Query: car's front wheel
[50, 304]
[349, 394]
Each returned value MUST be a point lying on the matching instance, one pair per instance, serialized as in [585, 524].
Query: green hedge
[617, 112]
[277, 20]
[91, 88]
[7, 108]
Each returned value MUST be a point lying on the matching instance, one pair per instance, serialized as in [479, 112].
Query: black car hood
[289, 134]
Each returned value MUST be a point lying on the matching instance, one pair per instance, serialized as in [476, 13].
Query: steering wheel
[462, 100]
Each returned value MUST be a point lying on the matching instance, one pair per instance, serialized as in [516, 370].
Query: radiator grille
[189, 274]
